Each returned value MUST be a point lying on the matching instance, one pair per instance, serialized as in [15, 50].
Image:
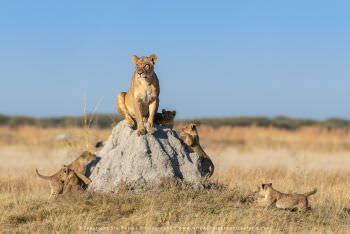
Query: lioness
[56, 180]
[142, 99]
[166, 118]
[283, 200]
[190, 137]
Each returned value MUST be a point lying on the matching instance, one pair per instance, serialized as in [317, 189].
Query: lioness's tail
[310, 193]
[42, 176]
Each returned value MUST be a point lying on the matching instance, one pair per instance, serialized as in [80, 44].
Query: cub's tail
[42, 176]
[310, 193]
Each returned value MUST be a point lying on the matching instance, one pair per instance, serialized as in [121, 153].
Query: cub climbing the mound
[190, 137]
[283, 200]
[166, 118]
[74, 182]
[70, 177]
[142, 99]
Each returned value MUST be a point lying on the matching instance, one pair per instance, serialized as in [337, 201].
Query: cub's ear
[153, 58]
[262, 186]
[134, 59]
[174, 113]
[163, 111]
[270, 184]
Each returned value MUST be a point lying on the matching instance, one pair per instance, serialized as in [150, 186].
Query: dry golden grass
[244, 157]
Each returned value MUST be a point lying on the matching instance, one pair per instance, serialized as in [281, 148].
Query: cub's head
[168, 116]
[190, 129]
[144, 66]
[264, 189]
[87, 156]
[63, 173]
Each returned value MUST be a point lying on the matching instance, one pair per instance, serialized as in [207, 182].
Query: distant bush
[109, 120]
[98, 120]
[280, 122]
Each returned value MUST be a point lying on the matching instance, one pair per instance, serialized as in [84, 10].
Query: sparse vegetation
[294, 161]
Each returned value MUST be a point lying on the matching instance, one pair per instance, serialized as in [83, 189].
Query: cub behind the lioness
[166, 118]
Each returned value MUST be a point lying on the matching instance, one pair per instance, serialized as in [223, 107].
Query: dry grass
[244, 157]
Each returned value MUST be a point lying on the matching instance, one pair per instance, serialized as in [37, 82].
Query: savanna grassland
[293, 160]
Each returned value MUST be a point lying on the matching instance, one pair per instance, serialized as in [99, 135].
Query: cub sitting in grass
[190, 137]
[166, 118]
[283, 200]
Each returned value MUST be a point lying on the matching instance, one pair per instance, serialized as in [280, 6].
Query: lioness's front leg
[139, 120]
[121, 107]
[153, 107]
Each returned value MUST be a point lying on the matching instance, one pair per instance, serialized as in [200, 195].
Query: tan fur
[283, 200]
[56, 181]
[79, 164]
[166, 118]
[74, 181]
[76, 177]
[190, 137]
[142, 99]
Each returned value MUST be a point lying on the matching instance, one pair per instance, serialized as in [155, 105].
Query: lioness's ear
[153, 58]
[134, 59]
[163, 111]
[263, 186]
[270, 184]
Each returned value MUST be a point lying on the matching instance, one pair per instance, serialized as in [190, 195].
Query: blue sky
[215, 58]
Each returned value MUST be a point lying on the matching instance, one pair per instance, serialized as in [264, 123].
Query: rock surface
[139, 160]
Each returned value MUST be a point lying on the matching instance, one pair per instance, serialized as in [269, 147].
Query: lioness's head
[144, 66]
[264, 189]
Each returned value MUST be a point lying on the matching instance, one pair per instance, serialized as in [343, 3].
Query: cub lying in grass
[283, 200]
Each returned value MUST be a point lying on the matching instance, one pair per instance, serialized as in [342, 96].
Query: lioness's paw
[149, 128]
[130, 123]
[141, 132]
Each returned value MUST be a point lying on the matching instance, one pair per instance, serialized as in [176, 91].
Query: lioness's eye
[147, 67]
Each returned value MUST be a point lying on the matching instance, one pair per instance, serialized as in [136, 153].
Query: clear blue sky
[216, 58]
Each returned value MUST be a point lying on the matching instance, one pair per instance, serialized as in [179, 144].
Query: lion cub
[56, 180]
[166, 118]
[79, 165]
[190, 137]
[76, 178]
[283, 200]
[74, 182]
